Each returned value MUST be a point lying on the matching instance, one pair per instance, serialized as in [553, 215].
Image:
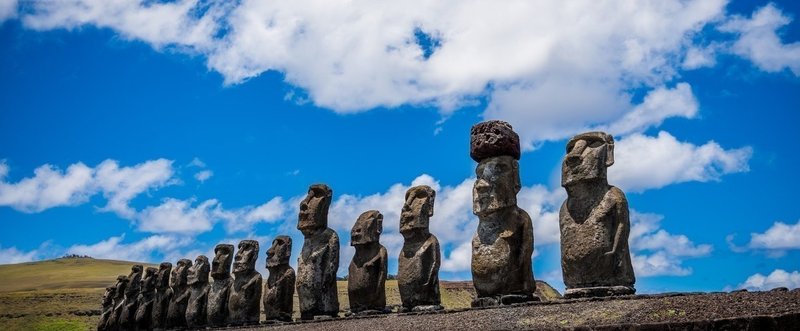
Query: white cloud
[656, 252]
[203, 175]
[778, 278]
[139, 251]
[121, 185]
[8, 9]
[644, 162]
[759, 41]
[12, 255]
[658, 105]
[196, 162]
[779, 236]
[700, 57]
[174, 215]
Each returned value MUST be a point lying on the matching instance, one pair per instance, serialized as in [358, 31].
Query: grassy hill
[64, 294]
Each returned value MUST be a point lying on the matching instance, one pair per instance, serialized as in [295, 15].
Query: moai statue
[119, 303]
[319, 258]
[107, 308]
[502, 248]
[146, 300]
[366, 283]
[594, 222]
[421, 257]
[220, 289]
[127, 319]
[197, 279]
[279, 289]
[244, 300]
[176, 313]
[163, 296]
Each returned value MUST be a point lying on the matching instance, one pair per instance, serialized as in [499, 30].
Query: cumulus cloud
[778, 278]
[51, 187]
[758, 40]
[656, 252]
[183, 216]
[203, 175]
[8, 9]
[644, 162]
[115, 248]
[775, 241]
[12, 255]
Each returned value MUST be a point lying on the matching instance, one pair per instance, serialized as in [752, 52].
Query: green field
[64, 294]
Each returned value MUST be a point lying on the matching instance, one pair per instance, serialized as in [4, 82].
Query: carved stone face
[164, 269]
[588, 156]
[149, 279]
[135, 279]
[221, 266]
[245, 259]
[280, 252]
[367, 229]
[108, 297]
[178, 278]
[198, 273]
[314, 209]
[497, 185]
[122, 284]
[418, 208]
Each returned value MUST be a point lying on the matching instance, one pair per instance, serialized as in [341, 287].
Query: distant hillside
[61, 274]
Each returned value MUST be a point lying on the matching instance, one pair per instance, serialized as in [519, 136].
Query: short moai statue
[319, 258]
[119, 302]
[197, 279]
[176, 313]
[127, 319]
[244, 300]
[163, 296]
[502, 248]
[421, 257]
[366, 282]
[107, 308]
[279, 289]
[594, 222]
[147, 296]
[217, 307]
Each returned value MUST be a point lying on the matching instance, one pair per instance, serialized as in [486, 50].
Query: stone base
[503, 300]
[598, 291]
[427, 308]
[368, 312]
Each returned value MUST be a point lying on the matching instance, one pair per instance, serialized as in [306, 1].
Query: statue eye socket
[595, 144]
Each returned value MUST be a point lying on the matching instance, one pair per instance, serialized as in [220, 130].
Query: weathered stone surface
[219, 291]
[319, 258]
[279, 289]
[127, 319]
[163, 295]
[502, 248]
[119, 303]
[366, 283]
[179, 299]
[107, 308]
[197, 279]
[420, 259]
[244, 300]
[594, 221]
[147, 295]
[493, 138]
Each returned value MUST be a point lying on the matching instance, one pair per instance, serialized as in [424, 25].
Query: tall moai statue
[421, 257]
[319, 258]
[502, 248]
[176, 313]
[119, 302]
[366, 282]
[594, 222]
[146, 300]
[127, 319]
[107, 308]
[217, 308]
[279, 289]
[244, 300]
[163, 296]
[197, 279]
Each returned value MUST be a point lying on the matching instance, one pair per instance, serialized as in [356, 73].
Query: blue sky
[150, 131]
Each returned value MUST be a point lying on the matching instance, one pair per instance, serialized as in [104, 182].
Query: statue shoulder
[614, 193]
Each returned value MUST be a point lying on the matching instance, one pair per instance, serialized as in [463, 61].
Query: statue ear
[431, 200]
[380, 223]
[609, 150]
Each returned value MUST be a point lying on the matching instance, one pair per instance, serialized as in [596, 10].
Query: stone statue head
[135, 281]
[245, 260]
[280, 252]
[588, 156]
[108, 296]
[314, 209]
[367, 229]
[418, 208]
[164, 269]
[198, 273]
[179, 273]
[496, 186]
[149, 280]
[122, 284]
[221, 265]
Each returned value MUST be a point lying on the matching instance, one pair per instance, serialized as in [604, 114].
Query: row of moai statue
[595, 260]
